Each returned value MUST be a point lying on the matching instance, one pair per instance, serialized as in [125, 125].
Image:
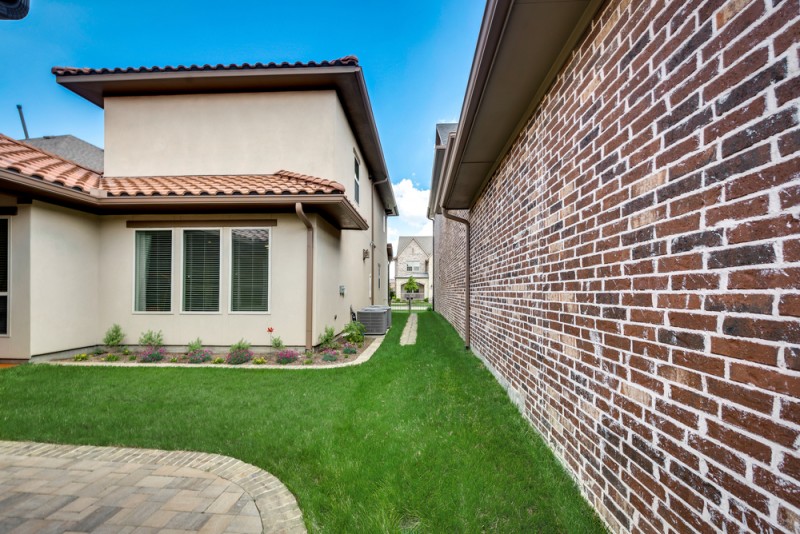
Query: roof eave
[334, 207]
[495, 111]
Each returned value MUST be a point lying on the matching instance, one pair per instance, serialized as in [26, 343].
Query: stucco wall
[64, 273]
[241, 133]
[636, 267]
[287, 313]
[16, 345]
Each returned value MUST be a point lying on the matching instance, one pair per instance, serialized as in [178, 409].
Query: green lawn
[419, 439]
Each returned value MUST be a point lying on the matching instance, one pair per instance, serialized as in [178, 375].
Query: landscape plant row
[152, 350]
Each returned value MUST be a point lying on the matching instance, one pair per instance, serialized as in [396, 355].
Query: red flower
[270, 330]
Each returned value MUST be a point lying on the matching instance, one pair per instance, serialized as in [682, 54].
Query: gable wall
[636, 266]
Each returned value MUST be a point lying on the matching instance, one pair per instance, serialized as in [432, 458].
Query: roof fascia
[490, 41]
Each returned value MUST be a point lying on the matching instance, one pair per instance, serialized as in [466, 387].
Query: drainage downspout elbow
[467, 291]
[298, 208]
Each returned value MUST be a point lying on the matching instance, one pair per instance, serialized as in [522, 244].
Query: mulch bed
[313, 359]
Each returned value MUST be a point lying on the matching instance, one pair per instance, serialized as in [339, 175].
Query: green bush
[354, 332]
[239, 353]
[80, 357]
[152, 339]
[114, 337]
[112, 358]
[327, 340]
[277, 342]
[195, 345]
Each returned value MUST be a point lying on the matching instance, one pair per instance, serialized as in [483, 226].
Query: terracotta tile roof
[37, 163]
[33, 162]
[282, 182]
[347, 61]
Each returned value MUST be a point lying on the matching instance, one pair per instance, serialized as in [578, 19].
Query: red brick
[751, 398]
[782, 435]
[789, 305]
[745, 350]
[769, 379]
[788, 278]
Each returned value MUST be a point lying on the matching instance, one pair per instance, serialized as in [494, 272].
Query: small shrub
[239, 353]
[308, 361]
[112, 358]
[349, 348]
[195, 345]
[151, 339]
[114, 337]
[132, 358]
[199, 356]
[259, 361]
[329, 355]
[277, 342]
[152, 354]
[354, 332]
[287, 356]
[218, 360]
[430, 308]
[327, 340]
[126, 351]
[80, 357]
[98, 351]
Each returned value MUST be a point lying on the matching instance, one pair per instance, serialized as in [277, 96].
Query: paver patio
[64, 488]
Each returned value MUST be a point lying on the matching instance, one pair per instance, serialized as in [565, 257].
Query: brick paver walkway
[62, 488]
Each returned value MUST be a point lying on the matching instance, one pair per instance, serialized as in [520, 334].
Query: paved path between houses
[48, 488]
[409, 335]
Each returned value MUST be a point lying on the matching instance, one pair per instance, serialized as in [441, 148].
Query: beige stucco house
[414, 258]
[233, 199]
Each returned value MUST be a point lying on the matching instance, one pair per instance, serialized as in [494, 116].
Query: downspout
[465, 222]
[298, 208]
[372, 242]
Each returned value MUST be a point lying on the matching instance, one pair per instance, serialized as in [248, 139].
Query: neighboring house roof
[28, 170]
[70, 147]
[445, 134]
[342, 75]
[425, 242]
[521, 48]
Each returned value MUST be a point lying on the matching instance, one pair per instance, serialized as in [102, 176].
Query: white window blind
[4, 239]
[153, 283]
[201, 253]
[250, 270]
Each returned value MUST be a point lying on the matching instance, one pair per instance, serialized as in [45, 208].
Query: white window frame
[230, 271]
[183, 270]
[7, 294]
[172, 275]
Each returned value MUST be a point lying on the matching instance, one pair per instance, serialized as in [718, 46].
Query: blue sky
[416, 56]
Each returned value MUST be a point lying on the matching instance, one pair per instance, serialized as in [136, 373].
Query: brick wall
[449, 271]
[636, 266]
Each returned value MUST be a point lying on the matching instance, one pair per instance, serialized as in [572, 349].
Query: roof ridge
[345, 61]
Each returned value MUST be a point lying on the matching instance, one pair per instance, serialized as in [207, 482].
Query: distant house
[233, 198]
[414, 259]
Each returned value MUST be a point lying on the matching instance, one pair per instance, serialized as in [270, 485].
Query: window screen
[201, 251]
[250, 270]
[153, 283]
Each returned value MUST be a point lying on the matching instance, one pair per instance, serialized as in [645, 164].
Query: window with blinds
[153, 279]
[250, 269]
[201, 253]
[4, 239]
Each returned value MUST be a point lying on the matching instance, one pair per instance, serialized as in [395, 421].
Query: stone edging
[362, 358]
[276, 504]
